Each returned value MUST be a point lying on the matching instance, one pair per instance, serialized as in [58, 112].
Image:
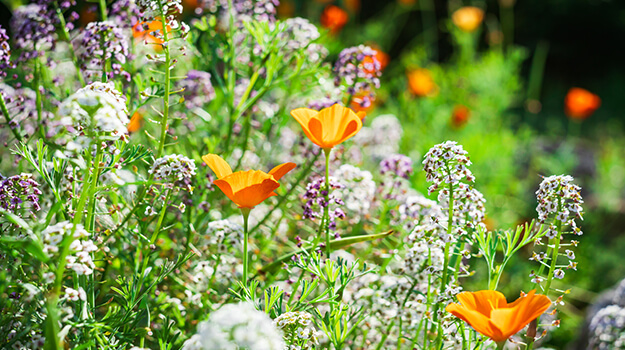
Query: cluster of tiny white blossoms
[559, 204]
[224, 234]
[607, 328]
[96, 108]
[357, 192]
[174, 170]
[417, 209]
[424, 255]
[236, 326]
[446, 164]
[469, 209]
[560, 196]
[79, 259]
[299, 330]
[75, 294]
[380, 139]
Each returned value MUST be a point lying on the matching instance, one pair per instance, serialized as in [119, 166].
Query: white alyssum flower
[236, 326]
[299, 329]
[75, 295]
[97, 108]
[174, 170]
[358, 189]
[79, 257]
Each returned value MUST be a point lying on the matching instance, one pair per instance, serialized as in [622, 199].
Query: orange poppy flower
[460, 115]
[580, 103]
[330, 126]
[468, 18]
[334, 18]
[489, 313]
[420, 82]
[249, 188]
[135, 122]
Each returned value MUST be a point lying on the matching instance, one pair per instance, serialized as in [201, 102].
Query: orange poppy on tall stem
[334, 18]
[249, 188]
[468, 18]
[580, 103]
[330, 126]
[489, 313]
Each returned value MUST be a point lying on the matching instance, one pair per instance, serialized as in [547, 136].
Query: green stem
[326, 210]
[103, 10]
[246, 214]
[450, 218]
[5, 112]
[161, 145]
[65, 37]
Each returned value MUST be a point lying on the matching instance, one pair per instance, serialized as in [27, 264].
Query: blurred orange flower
[140, 33]
[135, 122]
[421, 83]
[489, 313]
[330, 126]
[334, 18]
[363, 102]
[382, 57]
[460, 115]
[468, 18]
[249, 188]
[580, 103]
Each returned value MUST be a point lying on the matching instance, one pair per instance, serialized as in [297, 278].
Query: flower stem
[5, 111]
[246, 214]
[326, 210]
[161, 145]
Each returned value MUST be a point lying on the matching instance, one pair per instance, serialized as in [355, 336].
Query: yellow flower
[249, 188]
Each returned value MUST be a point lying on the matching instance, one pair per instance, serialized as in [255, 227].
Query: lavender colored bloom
[22, 109]
[298, 33]
[19, 192]
[397, 165]
[243, 11]
[104, 42]
[198, 89]
[32, 29]
[5, 53]
[315, 201]
[125, 13]
[358, 69]
[322, 103]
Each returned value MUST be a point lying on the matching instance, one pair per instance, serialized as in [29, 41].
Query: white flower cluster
[236, 326]
[607, 329]
[446, 163]
[417, 209]
[224, 234]
[299, 331]
[75, 295]
[357, 192]
[424, 255]
[298, 33]
[560, 196]
[97, 108]
[174, 170]
[79, 258]
[381, 138]
[469, 210]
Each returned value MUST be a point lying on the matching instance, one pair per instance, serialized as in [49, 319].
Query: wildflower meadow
[290, 175]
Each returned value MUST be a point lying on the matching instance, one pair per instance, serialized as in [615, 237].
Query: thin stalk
[231, 75]
[5, 112]
[246, 214]
[38, 99]
[161, 145]
[326, 210]
[65, 36]
[450, 217]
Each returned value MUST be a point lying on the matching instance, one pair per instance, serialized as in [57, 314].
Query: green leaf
[334, 244]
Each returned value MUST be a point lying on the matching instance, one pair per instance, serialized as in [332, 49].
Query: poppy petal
[279, 171]
[255, 194]
[303, 117]
[218, 165]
